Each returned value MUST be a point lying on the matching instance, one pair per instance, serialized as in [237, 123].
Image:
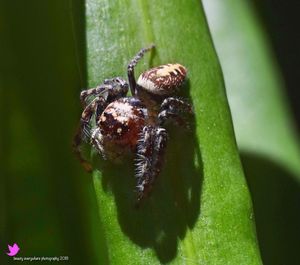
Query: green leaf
[200, 211]
[265, 134]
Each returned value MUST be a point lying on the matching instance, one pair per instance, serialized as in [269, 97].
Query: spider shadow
[173, 206]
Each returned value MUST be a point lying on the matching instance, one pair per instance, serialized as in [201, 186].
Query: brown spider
[133, 123]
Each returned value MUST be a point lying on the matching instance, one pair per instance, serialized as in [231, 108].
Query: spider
[114, 123]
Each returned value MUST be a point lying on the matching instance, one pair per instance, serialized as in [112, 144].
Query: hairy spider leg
[76, 149]
[111, 89]
[98, 103]
[83, 131]
[132, 64]
[97, 141]
[173, 108]
[150, 155]
[92, 92]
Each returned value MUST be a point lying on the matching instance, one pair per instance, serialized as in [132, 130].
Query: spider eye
[164, 79]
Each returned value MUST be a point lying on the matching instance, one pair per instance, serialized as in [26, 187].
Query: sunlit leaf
[200, 211]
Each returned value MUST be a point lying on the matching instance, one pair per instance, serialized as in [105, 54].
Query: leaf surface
[200, 211]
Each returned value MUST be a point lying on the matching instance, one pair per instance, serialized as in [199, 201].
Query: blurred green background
[47, 202]
[246, 34]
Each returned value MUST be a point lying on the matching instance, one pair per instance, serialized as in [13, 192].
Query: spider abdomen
[163, 79]
[122, 120]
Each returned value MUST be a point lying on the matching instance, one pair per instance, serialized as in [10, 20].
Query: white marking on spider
[147, 84]
[167, 68]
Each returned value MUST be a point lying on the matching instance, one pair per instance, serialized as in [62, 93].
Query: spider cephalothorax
[113, 123]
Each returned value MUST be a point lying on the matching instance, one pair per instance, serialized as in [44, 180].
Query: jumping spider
[133, 123]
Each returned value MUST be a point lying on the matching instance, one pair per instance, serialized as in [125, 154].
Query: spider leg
[150, 154]
[166, 115]
[111, 89]
[92, 92]
[84, 129]
[77, 141]
[97, 142]
[174, 109]
[178, 104]
[132, 64]
[96, 106]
